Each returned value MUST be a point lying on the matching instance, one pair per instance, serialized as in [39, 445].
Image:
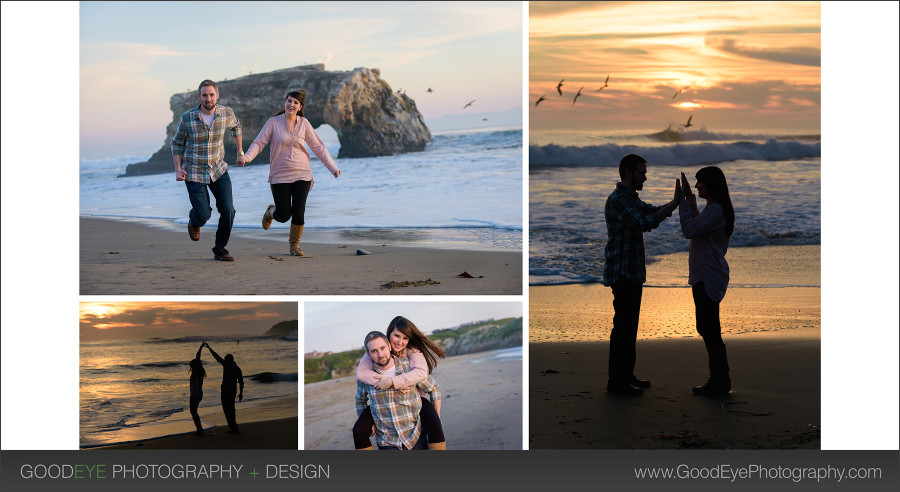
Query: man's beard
[208, 107]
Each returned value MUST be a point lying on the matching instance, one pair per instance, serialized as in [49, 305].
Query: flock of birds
[605, 85]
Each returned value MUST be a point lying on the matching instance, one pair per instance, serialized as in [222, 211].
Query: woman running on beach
[709, 232]
[290, 175]
[406, 342]
[197, 374]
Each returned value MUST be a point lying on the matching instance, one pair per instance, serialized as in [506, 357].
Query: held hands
[678, 193]
[241, 160]
[686, 186]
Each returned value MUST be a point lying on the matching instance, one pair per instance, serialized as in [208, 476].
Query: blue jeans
[201, 210]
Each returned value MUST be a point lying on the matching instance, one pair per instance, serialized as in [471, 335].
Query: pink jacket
[288, 155]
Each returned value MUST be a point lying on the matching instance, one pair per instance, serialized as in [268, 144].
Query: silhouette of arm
[240, 378]
[200, 350]
[215, 355]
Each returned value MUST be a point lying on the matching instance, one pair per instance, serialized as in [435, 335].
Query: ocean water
[774, 179]
[463, 191]
[135, 390]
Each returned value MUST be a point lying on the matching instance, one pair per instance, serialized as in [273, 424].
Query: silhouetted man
[627, 218]
[231, 377]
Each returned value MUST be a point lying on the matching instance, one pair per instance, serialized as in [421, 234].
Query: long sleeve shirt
[289, 160]
[395, 412]
[627, 218]
[202, 147]
[418, 370]
[709, 244]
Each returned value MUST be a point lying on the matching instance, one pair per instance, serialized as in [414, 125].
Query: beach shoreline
[123, 257]
[481, 405]
[772, 332]
[270, 425]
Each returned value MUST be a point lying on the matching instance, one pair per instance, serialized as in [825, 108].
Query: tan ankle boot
[294, 239]
[268, 217]
[437, 446]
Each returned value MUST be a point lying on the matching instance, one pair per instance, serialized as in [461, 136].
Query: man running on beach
[396, 412]
[231, 376]
[199, 152]
[627, 218]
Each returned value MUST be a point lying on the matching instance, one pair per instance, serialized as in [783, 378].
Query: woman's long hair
[197, 370]
[299, 96]
[717, 188]
[417, 340]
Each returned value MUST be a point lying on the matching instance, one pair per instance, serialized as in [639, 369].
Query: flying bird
[559, 86]
[680, 91]
[469, 104]
[429, 90]
[688, 124]
[605, 84]
[539, 100]
[576, 95]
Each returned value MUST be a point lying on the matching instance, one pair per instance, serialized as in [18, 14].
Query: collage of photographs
[536, 226]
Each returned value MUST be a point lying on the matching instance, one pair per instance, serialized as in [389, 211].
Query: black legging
[290, 201]
[431, 426]
[707, 315]
[195, 404]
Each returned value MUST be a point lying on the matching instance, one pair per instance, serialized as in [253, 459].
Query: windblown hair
[629, 163]
[417, 340]
[196, 369]
[717, 188]
[299, 96]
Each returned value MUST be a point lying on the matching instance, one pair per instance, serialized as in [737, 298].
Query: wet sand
[127, 258]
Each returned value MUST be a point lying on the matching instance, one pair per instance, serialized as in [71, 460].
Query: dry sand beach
[482, 407]
[127, 258]
[271, 425]
[773, 340]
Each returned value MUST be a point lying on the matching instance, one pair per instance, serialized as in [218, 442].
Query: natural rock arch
[370, 119]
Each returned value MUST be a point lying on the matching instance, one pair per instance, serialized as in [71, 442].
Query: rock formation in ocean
[369, 117]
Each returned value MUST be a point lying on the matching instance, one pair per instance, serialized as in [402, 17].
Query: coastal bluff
[370, 118]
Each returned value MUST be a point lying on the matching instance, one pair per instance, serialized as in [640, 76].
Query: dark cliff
[370, 119]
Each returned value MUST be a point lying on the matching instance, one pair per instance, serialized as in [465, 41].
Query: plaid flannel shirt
[202, 148]
[627, 218]
[396, 412]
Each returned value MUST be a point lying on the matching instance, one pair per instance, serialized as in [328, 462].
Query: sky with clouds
[338, 326]
[738, 65]
[139, 320]
[135, 55]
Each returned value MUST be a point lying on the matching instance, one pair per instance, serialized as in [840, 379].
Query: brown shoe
[194, 232]
[225, 257]
[268, 217]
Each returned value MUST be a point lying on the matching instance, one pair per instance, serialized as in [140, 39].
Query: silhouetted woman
[197, 374]
[406, 341]
[709, 232]
[290, 174]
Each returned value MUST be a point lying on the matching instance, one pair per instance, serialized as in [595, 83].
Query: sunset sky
[740, 65]
[338, 326]
[138, 320]
[135, 55]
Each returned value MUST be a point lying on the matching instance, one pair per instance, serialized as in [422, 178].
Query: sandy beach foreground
[119, 257]
[773, 337]
[482, 407]
[271, 425]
